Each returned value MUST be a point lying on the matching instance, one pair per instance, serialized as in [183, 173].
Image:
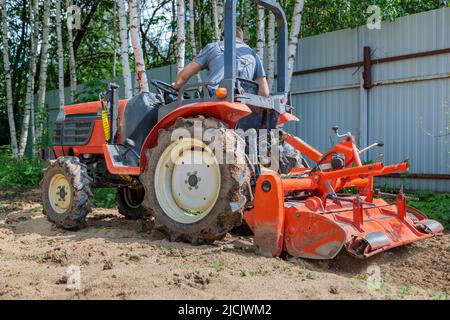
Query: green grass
[406, 290]
[2, 207]
[104, 198]
[21, 174]
[216, 264]
[438, 295]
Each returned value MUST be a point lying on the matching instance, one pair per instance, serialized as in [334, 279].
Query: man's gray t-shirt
[211, 58]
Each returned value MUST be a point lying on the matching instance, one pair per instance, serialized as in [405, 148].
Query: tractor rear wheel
[66, 193]
[192, 194]
[129, 202]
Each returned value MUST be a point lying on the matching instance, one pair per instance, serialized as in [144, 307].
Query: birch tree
[28, 114]
[181, 35]
[137, 81]
[137, 47]
[260, 32]
[192, 33]
[245, 20]
[42, 75]
[293, 37]
[7, 72]
[60, 55]
[124, 49]
[215, 15]
[72, 61]
[114, 45]
[220, 15]
[271, 51]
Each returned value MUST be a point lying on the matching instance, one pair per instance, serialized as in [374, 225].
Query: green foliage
[22, 174]
[91, 91]
[105, 198]
[142, 226]
[434, 205]
[330, 15]
[44, 141]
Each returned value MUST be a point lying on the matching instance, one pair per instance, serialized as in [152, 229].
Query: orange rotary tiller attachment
[302, 214]
[310, 229]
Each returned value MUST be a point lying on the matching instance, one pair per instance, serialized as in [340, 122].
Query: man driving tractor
[211, 58]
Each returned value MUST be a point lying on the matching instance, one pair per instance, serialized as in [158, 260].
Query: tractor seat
[141, 115]
[248, 86]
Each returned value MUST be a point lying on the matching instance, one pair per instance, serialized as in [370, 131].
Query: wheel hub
[193, 180]
[62, 193]
[59, 193]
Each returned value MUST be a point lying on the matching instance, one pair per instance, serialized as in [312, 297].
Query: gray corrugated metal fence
[408, 101]
[400, 113]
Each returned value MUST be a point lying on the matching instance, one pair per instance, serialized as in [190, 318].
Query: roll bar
[230, 41]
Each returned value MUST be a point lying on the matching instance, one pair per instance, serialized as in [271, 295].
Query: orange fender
[228, 112]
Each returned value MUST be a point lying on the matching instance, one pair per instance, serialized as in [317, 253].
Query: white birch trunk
[215, 15]
[114, 34]
[72, 62]
[245, 20]
[137, 48]
[260, 32]
[28, 114]
[192, 33]
[7, 72]
[181, 35]
[271, 51]
[137, 81]
[220, 15]
[42, 75]
[60, 55]
[124, 50]
[293, 37]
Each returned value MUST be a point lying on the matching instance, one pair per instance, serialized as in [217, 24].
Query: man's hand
[176, 86]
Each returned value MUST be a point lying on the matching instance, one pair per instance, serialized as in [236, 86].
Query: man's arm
[185, 74]
[263, 86]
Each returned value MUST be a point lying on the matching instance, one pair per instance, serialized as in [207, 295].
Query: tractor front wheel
[192, 191]
[66, 193]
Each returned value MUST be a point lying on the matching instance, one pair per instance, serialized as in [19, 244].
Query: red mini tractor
[145, 148]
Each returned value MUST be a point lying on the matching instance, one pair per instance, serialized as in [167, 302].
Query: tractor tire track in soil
[121, 259]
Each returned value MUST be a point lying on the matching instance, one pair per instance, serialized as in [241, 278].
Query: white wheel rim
[59, 193]
[187, 180]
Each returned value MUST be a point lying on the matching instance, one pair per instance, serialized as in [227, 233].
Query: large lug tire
[66, 193]
[202, 201]
[129, 202]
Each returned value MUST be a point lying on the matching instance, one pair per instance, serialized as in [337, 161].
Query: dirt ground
[119, 259]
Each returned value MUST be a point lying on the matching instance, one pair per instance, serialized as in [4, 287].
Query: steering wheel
[163, 87]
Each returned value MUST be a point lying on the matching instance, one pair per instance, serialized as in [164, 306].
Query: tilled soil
[121, 259]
